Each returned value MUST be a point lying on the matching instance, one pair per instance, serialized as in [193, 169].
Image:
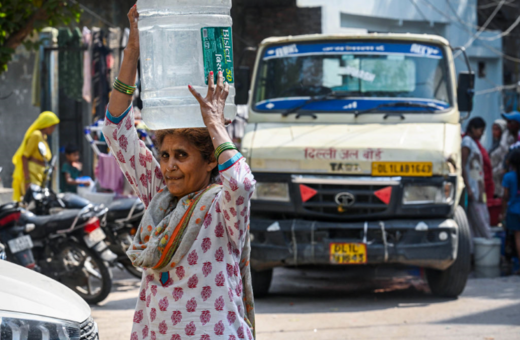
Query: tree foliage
[20, 18]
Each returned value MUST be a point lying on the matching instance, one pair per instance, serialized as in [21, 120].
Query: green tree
[20, 18]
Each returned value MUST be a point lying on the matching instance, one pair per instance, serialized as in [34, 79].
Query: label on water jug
[217, 49]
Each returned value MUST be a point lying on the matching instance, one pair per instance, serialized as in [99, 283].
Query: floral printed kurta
[203, 298]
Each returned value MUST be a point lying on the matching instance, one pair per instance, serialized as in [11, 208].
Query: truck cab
[354, 141]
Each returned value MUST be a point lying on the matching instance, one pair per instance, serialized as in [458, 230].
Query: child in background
[511, 198]
[71, 170]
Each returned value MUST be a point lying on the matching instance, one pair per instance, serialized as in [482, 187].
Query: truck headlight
[271, 192]
[27, 326]
[428, 194]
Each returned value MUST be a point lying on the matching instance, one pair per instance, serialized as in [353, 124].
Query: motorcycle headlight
[428, 194]
[271, 192]
[27, 326]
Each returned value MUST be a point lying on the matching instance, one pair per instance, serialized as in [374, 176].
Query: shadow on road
[508, 315]
[328, 290]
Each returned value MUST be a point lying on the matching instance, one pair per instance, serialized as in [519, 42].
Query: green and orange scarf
[169, 227]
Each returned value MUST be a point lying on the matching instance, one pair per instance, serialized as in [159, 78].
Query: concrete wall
[255, 20]
[16, 111]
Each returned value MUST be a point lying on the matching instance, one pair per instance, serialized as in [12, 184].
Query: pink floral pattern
[219, 328]
[205, 317]
[193, 281]
[219, 230]
[180, 272]
[176, 317]
[219, 304]
[206, 244]
[191, 305]
[199, 281]
[123, 142]
[206, 269]
[177, 293]
[128, 123]
[163, 304]
[163, 328]
[192, 258]
[206, 293]
[138, 316]
[190, 329]
[219, 255]
[231, 317]
[220, 280]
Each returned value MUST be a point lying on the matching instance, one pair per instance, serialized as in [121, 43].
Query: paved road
[332, 304]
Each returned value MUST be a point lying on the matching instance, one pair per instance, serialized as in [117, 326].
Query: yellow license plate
[419, 169]
[348, 253]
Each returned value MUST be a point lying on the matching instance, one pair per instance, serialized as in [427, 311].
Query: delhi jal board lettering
[343, 154]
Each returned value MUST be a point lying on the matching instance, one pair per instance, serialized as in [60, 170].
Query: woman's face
[49, 130]
[184, 169]
[477, 133]
[497, 132]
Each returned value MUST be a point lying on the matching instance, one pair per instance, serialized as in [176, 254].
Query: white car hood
[25, 291]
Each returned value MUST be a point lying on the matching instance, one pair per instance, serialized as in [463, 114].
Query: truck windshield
[352, 77]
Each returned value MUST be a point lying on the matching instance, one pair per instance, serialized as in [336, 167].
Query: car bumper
[430, 243]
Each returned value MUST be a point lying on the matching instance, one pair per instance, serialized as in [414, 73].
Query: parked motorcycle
[119, 225]
[67, 246]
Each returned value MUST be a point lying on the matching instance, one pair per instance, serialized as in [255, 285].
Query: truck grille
[365, 201]
[89, 330]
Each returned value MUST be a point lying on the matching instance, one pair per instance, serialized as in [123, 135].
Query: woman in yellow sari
[29, 165]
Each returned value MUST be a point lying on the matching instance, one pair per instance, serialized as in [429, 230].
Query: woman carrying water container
[193, 242]
[511, 198]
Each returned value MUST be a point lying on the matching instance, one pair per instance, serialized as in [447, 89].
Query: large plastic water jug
[181, 41]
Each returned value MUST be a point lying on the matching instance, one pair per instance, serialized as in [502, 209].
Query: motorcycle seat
[48, 224]
[120, 208]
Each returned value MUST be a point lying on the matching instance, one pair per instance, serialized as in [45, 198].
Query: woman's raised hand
[212, 107]
[133, 39]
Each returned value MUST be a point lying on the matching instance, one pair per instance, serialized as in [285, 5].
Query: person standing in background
[29, 163]
[511, 200]
[71, 170]
[473, 174]
[497, 154]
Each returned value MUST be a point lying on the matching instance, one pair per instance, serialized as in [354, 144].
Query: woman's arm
[212, 109]
[237, 181]
[26, 173]
[119, 102]
[465, 155]
[136, 161]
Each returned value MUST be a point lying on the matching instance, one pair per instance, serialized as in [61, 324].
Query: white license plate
[19, 244]
[94, 237]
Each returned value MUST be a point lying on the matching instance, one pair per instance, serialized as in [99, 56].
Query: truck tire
[261, 281]
[451, 282]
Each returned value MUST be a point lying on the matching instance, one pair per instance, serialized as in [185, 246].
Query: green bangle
[123, 90]
[224, 147]
[123, 84]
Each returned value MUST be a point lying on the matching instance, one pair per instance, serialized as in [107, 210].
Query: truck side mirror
[465, 91]
[242, 82]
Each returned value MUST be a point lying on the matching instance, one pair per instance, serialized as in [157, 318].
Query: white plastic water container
[487, 251]
[181, 41]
